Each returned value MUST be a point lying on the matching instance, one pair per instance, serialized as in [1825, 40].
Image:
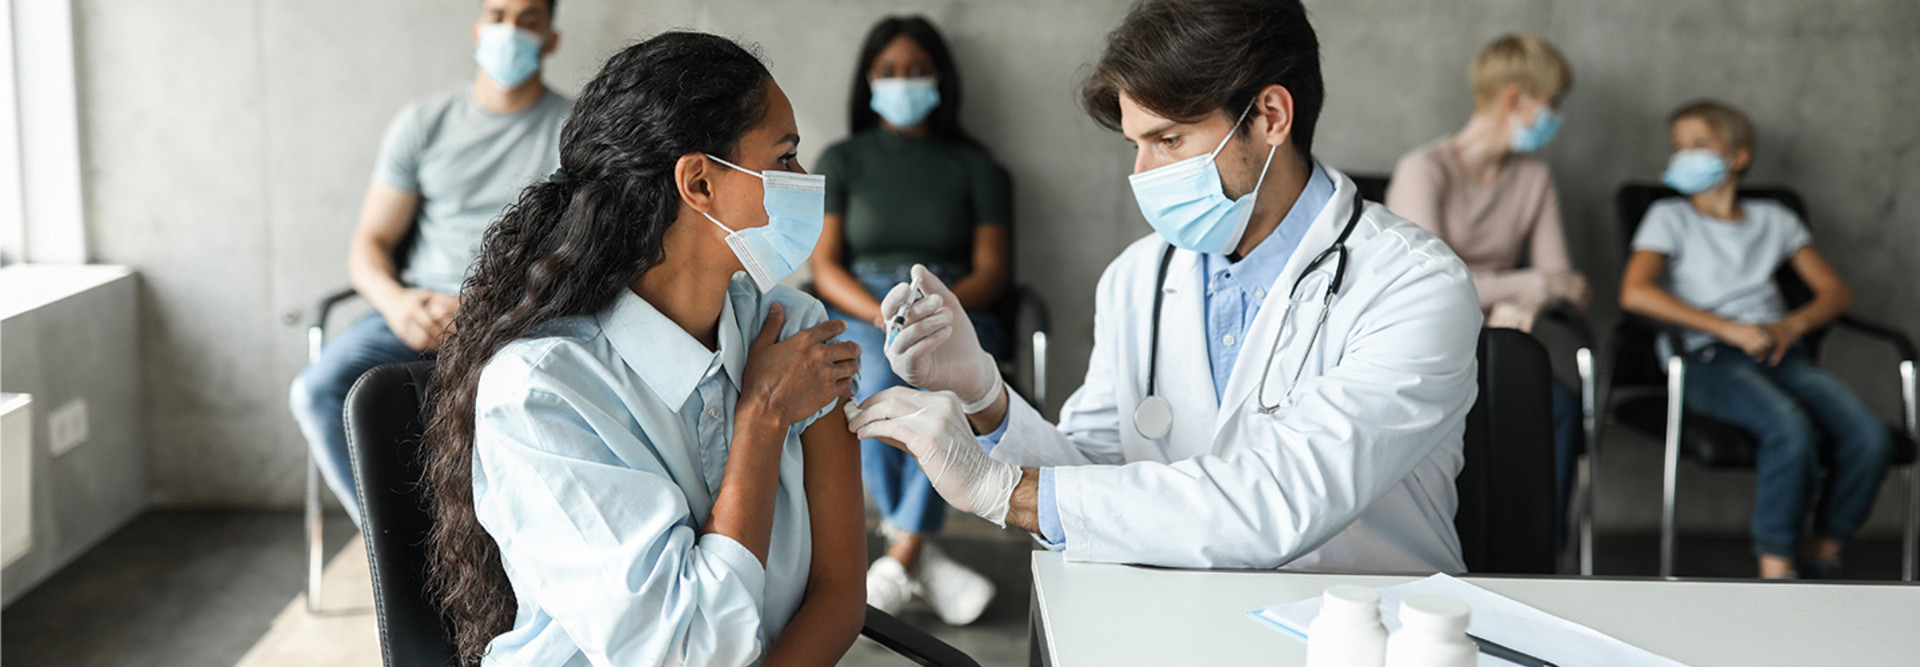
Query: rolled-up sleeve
[606, 545]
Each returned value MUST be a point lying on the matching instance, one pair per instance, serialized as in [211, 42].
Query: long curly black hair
[567, 247]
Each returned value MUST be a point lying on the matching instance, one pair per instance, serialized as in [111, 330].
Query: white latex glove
[936, 348]
[932, 427]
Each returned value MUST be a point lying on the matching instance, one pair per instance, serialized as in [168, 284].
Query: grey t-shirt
[467, 165]
[1721, 266]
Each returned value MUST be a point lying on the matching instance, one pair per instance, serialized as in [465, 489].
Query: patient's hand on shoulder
[790, 380]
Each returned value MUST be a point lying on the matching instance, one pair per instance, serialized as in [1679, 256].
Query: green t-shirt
[909, 200]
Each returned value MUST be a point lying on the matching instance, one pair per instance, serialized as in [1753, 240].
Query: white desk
[1086, 614]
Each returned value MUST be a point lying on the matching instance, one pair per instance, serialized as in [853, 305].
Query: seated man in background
[1706, 262]
[448, 165]
[1483, 192]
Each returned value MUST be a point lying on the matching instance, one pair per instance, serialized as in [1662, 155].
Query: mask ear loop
[744, 170]
[1232, 130]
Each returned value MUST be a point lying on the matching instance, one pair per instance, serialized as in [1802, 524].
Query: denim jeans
[1794, 409]
[901, 491]
[319, 396]
[1569, 434]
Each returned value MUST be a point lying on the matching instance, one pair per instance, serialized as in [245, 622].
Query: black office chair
[1645, 392]
[1506, 486]
[1373, 187]
[383, 434]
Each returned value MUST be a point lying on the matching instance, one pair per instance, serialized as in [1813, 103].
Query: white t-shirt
[1724, 267]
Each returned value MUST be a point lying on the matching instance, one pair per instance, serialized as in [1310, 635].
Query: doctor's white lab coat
[1355, 473]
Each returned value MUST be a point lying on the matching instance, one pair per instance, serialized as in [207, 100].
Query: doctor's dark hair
[1185, 59]
[567, 247]
[944, 122]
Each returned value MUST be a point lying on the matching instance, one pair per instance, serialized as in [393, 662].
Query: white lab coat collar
[664, 355]
[1247, 368]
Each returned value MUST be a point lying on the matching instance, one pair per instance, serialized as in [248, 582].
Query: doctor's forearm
[1023, 505]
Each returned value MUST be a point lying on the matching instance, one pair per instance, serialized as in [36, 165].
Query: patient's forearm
[822, 630]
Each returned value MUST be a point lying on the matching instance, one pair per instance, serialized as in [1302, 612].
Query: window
[41, 209]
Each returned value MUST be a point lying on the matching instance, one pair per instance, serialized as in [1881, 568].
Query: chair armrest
[1886, 334]
[912, 643]
[325, 305]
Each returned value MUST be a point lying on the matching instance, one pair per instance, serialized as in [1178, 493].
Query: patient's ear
[693, 177]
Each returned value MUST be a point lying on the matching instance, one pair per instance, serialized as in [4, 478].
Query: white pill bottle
[1433, 633]
[1347, 633]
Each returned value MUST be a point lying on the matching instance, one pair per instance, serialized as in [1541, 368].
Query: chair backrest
[1506, 487]
[384, 425]
[1373, 187]
[1635, 361]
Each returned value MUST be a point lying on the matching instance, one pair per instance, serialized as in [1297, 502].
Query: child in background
[1706, 262]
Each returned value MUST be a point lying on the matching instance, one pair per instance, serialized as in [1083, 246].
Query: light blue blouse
[598, 450]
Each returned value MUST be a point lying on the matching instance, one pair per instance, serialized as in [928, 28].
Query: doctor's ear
[1274, 107]
[693, 177]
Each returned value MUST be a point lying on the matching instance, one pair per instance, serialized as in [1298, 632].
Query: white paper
[1497, 618]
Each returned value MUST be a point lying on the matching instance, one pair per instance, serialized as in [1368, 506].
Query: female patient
[634, 458]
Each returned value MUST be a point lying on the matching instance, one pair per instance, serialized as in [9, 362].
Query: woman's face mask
[796, 207]
[905, 102]
[1532, 137]
[1188, 206]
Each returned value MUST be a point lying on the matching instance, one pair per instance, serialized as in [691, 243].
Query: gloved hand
[932, 427]
[937, 349]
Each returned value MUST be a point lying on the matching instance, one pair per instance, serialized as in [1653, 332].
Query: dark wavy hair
[945, 120]
[567, 247]
[1185, 59]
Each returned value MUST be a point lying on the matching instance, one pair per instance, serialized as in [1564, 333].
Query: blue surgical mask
[1530, 138]
[796, 211]
[1694, 171]
[1185, 202]
[904, 102]
[508, 54]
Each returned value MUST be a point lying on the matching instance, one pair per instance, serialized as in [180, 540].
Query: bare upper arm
[835, 507]
[990, 243]
[1813, 268]
[386, 214]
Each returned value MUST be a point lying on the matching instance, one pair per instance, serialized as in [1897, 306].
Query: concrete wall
[230, 170]
[83, 346]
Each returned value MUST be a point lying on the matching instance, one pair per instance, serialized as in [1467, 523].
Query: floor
[224, 588]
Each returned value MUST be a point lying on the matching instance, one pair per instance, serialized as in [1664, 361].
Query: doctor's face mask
[1186, 203]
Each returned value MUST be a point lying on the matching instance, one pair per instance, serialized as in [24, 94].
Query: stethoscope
[1153, 417]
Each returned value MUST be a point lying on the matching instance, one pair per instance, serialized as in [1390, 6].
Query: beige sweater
[1496, 225]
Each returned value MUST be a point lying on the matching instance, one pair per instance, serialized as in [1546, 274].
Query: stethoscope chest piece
[1153, 418]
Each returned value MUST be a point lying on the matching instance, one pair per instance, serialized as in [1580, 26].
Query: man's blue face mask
[508, 54]
[905, 102]
[1186, 203]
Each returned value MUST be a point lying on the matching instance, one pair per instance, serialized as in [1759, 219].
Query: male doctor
[1299, 399]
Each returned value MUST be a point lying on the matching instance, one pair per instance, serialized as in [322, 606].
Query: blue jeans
[319, 396]
[901, 491]
[1794, 409]
[1569, 434]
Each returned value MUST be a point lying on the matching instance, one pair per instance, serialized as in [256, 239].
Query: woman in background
[908, 187]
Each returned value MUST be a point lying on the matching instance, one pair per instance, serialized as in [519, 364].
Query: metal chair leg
[316, 335]
[314, 544]
[1912, 423]
[1590, 425]
[1040, 370]
[1676, 384]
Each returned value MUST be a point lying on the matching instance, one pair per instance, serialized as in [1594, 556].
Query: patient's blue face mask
[1187, 205]
[508, 54]
[796, 211]
[1694, 171]
[1530, 138]
[905, 102]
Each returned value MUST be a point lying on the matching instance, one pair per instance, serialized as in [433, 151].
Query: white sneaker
[957, 594]
[888, 586]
